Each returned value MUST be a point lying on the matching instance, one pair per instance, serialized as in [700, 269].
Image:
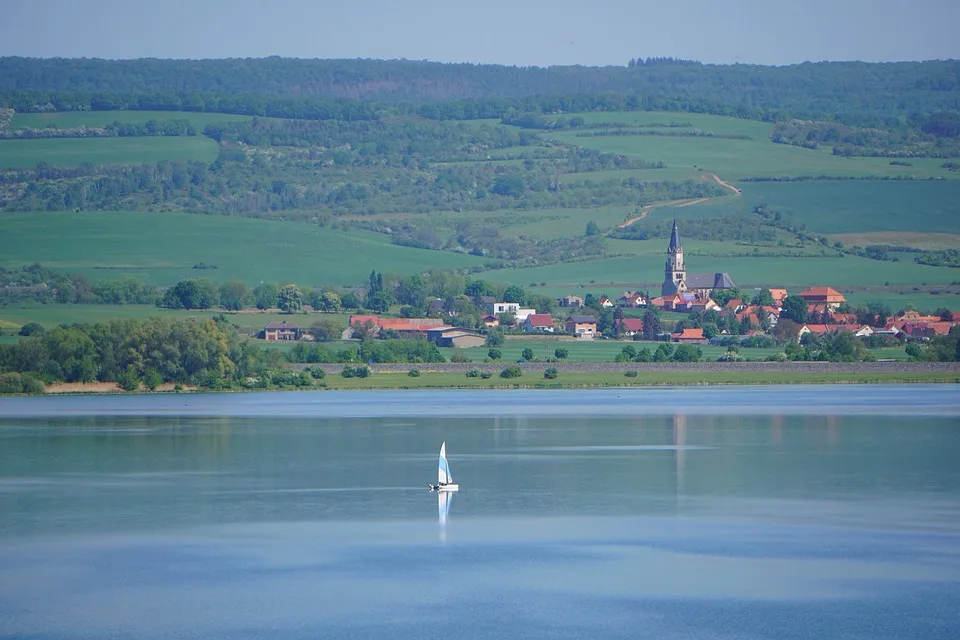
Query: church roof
[674, 238]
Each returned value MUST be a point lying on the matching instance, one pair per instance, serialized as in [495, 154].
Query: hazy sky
[521, 32]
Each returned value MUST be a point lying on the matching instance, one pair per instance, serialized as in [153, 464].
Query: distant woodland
[853, 93]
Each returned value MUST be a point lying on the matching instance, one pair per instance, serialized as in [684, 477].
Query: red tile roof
[689, 334]
[540, 320]
[631, 324]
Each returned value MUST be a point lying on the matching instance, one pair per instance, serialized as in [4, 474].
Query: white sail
[443, 473]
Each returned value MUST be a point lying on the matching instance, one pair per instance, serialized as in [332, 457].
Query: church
[677, 280]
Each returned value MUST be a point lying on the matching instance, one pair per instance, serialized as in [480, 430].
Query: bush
[473, 373]
[550, 373]
[128, 380]
[31, 328]
[494, 354]
[486, 375]
[317, 373]
[511, 372]
[527, 354]
[414, 373]
[631, 374]
[359, 371]
[561, 353]
[459, 356]
[19, 383]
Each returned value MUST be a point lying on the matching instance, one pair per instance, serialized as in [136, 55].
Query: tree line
[851, 92]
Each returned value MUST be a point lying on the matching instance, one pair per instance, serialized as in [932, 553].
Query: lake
[826, 511]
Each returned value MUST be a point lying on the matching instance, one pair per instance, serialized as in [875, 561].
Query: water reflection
[444, 500]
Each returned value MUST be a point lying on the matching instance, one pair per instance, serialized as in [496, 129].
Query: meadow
[646, 270]
[162, 248]
[592, 350]
[70, 119]
[732, 159]
[70, 152]
[14, 316]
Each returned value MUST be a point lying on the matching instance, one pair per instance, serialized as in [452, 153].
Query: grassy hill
[160, 249]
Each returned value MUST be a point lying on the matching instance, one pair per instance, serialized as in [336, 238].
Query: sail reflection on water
[444, 500]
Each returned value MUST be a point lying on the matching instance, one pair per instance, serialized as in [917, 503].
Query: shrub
[128, 380]
[19, 383]
[473, 373]
[459, 356]
[511, 372]
[494, 354]
[359, 371]
[414, 373]
[550, 373]
[561, 353]
[317, 373]
[527, 354]
[31, 328]
[631, 374]
[152, 379]
[486, 375]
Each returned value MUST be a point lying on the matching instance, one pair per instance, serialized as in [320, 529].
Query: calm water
[793, 512]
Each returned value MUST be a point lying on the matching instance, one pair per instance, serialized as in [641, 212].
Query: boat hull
[445, 487]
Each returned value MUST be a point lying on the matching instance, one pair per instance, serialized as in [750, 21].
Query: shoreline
[583, 375]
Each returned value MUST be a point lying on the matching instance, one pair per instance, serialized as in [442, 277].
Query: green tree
[326, 330]
[494, 337]
[794, 308]
[527, 354]
[494, 354]
[290, 298]
[687, 353]
[763, 298]
[593, 229]
[514, 293]
[234, 295]
[560, 353]
[266, 295]
[651, 325]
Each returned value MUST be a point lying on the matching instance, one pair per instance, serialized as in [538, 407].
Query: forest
[865, 94]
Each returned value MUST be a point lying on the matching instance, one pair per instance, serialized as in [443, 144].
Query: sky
[512, 32]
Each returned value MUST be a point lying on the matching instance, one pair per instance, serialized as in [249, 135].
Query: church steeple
[675, 273]
[675, 239]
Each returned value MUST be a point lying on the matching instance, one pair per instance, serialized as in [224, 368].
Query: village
[816, 311]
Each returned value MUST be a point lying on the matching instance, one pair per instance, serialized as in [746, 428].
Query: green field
[592, 350]
[69, 119]
[735, 159]
[14, 316]
[70, 152]
[161, 248]
[625, 272]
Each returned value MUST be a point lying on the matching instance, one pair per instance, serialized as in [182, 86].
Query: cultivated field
[162, 248]
[70, 152]
[733, 159]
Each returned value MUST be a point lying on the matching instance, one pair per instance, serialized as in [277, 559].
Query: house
[437, 308]
[778, 295]
[911, 315]
[604, 301]
[859, 330]
[538, 323]
[282, 331]
[582, 326]
[499, 308]
[815, 329]
[571, 301]
[410, 327]
[734, 305]
[823, 295]
[632, 299]
[689, 336]
[454, 337]
[490, 321]
[630, 326]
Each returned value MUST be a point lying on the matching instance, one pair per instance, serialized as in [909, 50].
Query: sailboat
[444, 477]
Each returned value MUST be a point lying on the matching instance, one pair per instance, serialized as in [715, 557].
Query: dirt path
[726, 185]
[645, 211]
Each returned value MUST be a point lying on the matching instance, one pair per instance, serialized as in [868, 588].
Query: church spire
[674, 238]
